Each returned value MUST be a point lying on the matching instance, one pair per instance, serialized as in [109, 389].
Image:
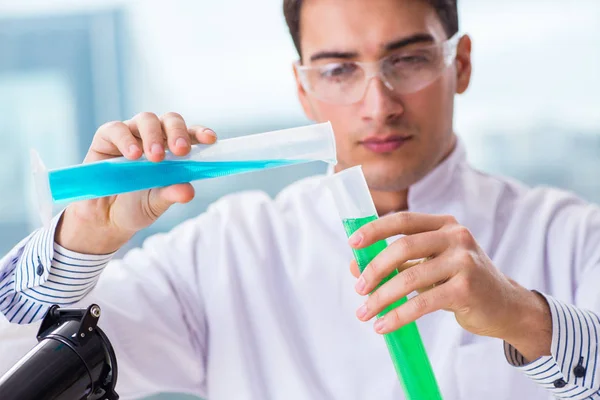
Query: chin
[389, 176]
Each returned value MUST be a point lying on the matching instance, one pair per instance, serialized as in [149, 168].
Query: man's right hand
[102, 226]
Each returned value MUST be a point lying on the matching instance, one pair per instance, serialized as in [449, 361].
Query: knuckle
[375, 299]
[404, 245]
[463, 236]
[198, 128]
[172, 115]
[402, 218]
[410, 277]
[394, 317]
[372, 269]
[420, 304]
[112, 126]
[145, 115]
[449, 220]
[152, 210]
[464, 259]
[175, 133]
[462, 284]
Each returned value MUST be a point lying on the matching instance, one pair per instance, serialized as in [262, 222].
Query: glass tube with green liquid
[356, 208]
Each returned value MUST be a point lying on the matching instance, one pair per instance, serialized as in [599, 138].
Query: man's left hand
[458, 276]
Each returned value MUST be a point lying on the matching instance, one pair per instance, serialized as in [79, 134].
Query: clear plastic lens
[404, 72]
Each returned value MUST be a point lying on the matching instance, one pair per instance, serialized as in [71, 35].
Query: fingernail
[181, 142]
[379, 325]
[355, 239]
[210, 132]
[360, 285]
[362, 311]
[133, 148]
[156, 149]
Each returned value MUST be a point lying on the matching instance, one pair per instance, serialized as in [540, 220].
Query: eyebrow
[395, 45]
[418, 38]
[332, 54]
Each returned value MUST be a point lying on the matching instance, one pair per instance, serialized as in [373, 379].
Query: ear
[303, 97]
[463, 64]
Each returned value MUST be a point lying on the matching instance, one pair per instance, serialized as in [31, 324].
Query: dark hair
[446, 10]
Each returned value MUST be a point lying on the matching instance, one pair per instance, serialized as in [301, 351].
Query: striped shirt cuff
[70, 277]
[46, 273]
[571, 372]
[21, 271]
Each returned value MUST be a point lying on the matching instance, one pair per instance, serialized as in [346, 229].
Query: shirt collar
[437, 182]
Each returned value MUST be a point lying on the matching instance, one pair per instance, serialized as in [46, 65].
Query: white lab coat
[253, 299]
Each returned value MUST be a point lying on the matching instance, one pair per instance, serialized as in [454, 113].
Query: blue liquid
[90, 181]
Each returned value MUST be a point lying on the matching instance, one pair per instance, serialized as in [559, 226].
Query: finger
[406, 223]
[413, 309]
[354, 268]
[132, 128]
[181, 193]
[114, 139]
[150, 130]
[178, 138]
[417, 277]
[201, 134]
[407, 248]
[410, 264]
[160, 199]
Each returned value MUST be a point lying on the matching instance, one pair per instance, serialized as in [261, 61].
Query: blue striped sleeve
[572, 371]
[38, 273]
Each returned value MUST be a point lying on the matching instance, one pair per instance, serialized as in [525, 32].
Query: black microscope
[73, 360]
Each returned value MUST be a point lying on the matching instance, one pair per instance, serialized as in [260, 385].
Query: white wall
[220, 62]
[535, 60]
[229, 61]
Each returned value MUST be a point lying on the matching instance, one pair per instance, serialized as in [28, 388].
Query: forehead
[364, 26]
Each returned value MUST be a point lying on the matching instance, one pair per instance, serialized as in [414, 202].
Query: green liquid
[404, 345]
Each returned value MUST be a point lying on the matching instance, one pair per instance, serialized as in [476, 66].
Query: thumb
[160, 199]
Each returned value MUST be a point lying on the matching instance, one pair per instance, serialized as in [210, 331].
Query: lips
[385, 145]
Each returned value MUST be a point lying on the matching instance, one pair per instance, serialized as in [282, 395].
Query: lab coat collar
[434, 186]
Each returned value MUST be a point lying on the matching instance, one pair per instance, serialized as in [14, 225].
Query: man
[250, 300]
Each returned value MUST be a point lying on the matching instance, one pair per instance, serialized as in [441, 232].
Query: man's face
[398, 138]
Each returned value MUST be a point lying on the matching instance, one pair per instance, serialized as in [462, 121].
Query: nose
[379, 102]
